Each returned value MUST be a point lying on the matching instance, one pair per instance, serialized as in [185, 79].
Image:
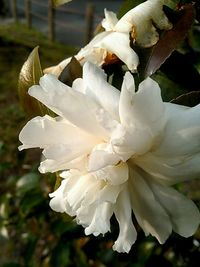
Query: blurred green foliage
[31, 234]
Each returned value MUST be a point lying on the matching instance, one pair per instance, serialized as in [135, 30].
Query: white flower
[119, 153]
[140, 22]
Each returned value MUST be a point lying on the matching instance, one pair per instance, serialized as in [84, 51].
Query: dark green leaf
[31, 200]
[180, 68]
[190, 99]
[153, 58]
[27, 182]
[71, 72]
[169, 88]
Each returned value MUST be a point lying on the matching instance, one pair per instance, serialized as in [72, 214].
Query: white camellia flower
[119, 152]
[140, 22]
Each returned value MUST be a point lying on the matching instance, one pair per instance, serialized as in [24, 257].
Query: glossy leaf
[153, 58]
[29, 75]
[60, 2]
[190, 99]
[72, 71]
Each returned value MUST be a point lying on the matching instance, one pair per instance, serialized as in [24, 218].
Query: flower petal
[100, 90]
[123, 213]
[184, 215]
[49, 165]
[109, 21]
[100, 223]
[46, 131]
[115, 175]
[146, 107]
[170, 170]
[118, 44]
[182, 132]
[149, 213]
[58, 203]
[142, 113]
[102, 156]
[70, 104]
[141, 21]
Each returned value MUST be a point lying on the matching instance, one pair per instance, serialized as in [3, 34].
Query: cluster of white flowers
[115, 41]
[118, 152]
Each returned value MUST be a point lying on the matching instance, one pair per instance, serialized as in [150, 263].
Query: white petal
[148, 107]
[58, 203]
[126, 146]
[115, 175]
[62, 142]
[100, 223]
[49, 165]
[56, 70]
[100, 90]
[126, 99]
[149, 213]
[45, 132]
[70, 104]
[102, 156]
[182, 132]
[184, 215]
[170, 170]
[93, 52]
[118, 44]
[110, 20]
[123, 213]
[141, 20]
[144, 109]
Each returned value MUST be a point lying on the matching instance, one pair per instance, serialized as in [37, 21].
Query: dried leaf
[71, 72]
[60, 2]
[190, 99]
[29, 75]
[156, 56]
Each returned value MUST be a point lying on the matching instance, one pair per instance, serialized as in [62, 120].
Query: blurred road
[74, 33]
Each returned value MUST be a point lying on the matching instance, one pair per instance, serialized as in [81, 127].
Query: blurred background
[31, 234]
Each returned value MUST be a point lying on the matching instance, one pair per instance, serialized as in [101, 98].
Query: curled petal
[115, 175]
[141, 21]
[100, 223]
[123, 213]
[118, 44]
[170, 170]
[184, 215]
[110, 20]
[182, 132]
[69, 104]
[58, 202]
[150, 215]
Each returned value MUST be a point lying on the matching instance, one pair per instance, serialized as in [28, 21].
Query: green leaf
[30, 75]
[58, 181]
[27, 183]
[190, 99]
[60, 2]
[152, 59]
[71, 72]
[169, 88]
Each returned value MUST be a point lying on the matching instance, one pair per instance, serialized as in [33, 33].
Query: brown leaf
[30, 75]
[168, 42]
[71, 72]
